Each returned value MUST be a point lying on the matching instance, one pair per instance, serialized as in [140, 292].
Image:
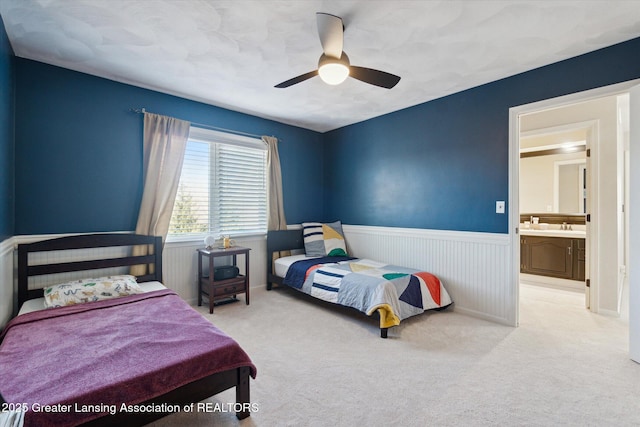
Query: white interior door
[634, 225]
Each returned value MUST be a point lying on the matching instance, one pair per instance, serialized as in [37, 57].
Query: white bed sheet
[281, 265]
[38, 303]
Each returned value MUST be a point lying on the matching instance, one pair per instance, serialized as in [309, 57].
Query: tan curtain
[165, 140]
[277, 220]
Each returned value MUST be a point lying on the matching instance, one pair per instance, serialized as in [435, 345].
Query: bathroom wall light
[570, 147]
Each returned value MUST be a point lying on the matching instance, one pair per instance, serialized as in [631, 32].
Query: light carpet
[323, 365]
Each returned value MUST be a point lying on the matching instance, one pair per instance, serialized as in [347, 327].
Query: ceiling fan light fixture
[334, 66]
[333, 71]
[333, 74]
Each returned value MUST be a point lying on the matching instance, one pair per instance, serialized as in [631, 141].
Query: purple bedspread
[125, 350]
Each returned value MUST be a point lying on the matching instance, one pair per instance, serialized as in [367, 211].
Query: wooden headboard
[281, 240]
[85, 241]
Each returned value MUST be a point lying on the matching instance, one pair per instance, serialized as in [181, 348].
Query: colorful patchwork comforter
[369, 286]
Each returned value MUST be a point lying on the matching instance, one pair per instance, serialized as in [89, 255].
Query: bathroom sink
[553, 233]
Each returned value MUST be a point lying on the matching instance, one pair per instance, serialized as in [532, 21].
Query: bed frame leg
[242, 393]
[383, 332]
[269, 286]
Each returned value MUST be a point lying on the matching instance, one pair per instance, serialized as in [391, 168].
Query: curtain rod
[202, 125]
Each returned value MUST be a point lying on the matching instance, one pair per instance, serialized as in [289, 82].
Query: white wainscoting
[474, 267]
[180, 265]
[6, 281]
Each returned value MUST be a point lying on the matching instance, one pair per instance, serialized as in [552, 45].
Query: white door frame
[634, 229]
[514, 171]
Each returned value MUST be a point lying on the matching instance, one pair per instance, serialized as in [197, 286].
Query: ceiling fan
[334, 66]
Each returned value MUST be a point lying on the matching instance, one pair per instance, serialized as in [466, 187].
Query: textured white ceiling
[232, 53]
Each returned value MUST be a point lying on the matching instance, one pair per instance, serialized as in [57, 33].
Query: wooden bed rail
[86, 241]
[281, 240]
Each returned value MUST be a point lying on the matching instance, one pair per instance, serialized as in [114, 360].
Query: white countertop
[554, 233]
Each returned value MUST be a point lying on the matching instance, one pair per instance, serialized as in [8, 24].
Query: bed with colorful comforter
[395, 292]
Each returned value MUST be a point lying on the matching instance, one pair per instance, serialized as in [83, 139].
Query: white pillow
[88, 290]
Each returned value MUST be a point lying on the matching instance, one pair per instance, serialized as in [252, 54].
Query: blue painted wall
[6, 136]
[79, 150]
[444, 164]
[438, 165]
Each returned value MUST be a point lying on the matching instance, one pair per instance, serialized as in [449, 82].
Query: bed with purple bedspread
[114, 353]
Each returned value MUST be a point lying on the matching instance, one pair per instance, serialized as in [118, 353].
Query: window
[223, 187]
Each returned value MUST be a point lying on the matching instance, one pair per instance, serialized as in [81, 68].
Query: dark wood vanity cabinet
[553, 256]
[579, 259]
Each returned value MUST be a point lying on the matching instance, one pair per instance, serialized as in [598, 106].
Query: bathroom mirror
[553, 179]
[569, 186]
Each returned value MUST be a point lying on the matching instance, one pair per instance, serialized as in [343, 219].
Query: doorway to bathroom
[555, 164]
[607, 177]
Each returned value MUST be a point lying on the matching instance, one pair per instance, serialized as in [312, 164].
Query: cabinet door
[579, 259]
[547, 256]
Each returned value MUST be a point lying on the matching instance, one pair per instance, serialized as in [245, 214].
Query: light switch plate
[500, 206]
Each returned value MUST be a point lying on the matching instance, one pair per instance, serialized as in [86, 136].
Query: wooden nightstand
[222, 289]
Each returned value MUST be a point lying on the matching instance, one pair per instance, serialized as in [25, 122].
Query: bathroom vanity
[553, 250]
[561, 257]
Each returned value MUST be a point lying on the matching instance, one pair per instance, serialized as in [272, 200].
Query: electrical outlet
[500, 207]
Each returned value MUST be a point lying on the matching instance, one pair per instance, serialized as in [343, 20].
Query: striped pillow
[324, 239]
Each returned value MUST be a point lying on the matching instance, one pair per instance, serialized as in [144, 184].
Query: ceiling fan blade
[330, 30]
[298, 79]
[374, 77]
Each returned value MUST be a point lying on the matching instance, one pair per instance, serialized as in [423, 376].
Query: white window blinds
[223, 187]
